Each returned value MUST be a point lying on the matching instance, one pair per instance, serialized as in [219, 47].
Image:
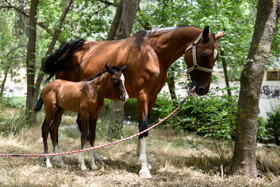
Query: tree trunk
[50, 49]
[4, 80]
[30, 61]
[128, 13]
[244, 158]
[171, 85]
[224, 64]
[116, 22]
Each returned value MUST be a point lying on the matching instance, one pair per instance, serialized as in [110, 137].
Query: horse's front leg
[84, 137]
[91, 155]
[143, 113]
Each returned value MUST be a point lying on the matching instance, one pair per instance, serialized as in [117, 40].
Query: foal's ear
[110, 70]
[205, 32]
[123, 68]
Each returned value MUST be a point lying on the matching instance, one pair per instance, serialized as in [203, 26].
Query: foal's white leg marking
[215, 53]
[96, 157]
[82, 161]
[123, 80]
[144, 172]
[91, 157]
[48, 162]
[58, 158]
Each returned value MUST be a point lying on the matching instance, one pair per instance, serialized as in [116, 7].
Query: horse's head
[200, 57]
[117, 82]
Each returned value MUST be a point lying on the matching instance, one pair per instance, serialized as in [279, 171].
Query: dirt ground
[176, 160]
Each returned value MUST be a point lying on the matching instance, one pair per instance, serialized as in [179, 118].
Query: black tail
[39, 104]
[55, 63]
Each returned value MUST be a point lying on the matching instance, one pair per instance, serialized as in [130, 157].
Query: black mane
[117, 68]
[55, 63]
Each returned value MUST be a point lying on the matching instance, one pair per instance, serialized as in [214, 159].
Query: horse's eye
[116, 81]
[204, 55]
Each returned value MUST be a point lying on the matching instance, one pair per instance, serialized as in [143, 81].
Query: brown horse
[148, 55]
[87, 99]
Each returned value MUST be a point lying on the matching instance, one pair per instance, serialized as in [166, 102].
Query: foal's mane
[117, 68]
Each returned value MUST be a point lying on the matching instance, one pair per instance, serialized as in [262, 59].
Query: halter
[195, 65]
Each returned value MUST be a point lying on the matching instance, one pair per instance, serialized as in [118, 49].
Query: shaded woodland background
[31, 30]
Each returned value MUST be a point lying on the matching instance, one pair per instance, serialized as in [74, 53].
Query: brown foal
[87, 99]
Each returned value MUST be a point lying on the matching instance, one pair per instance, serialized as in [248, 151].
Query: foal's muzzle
[123, 98]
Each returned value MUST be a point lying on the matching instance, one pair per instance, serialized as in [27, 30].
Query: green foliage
[273, 126]
[262, 131]
[130, 110]
[212, 115]
[14, 102]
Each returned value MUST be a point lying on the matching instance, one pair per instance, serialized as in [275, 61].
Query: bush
[273, 125]
[130, 110]
[211, 115]
[14, 102]
[262, 132]
[159, 111]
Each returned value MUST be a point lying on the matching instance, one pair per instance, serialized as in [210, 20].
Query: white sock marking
[143, 159]
[58, 158]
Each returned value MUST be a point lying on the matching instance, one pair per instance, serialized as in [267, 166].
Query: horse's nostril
[201, 90]
[122, 98]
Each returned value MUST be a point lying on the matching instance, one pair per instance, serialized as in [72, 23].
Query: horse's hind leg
[54, 136]
[45, 132]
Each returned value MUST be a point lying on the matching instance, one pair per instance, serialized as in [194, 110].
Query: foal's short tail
[39, 104]
[58, 59]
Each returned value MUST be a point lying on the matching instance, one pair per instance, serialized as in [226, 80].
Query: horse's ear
[205, 32]
[220, 34]
[110, 70]
[123, 68]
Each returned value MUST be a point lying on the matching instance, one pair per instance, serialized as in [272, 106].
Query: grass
[176, 160]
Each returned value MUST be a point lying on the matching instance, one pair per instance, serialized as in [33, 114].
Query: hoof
[145, 175]
[59, 161]
[93, 167]
[48, 164]
[83, 167]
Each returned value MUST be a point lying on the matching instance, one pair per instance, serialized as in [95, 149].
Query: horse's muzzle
[201, 90]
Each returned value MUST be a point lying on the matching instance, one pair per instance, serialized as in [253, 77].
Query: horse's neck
[100, 84]
[171, 44]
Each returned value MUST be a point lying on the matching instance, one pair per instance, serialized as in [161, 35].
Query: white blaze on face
[215, 53]
[123, 80]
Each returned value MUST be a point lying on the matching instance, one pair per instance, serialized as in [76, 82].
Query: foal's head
[117, 81]
[201, 64]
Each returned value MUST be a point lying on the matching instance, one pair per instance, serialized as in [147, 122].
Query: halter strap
[195, 65]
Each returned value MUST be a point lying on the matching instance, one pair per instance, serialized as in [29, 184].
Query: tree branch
[107, 3]
[42, 25]
[146, 25]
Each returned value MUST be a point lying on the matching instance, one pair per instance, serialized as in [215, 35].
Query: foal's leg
[143, 113]
[84, 137]
[95, 156]
[54, 135]
[45, 132]
[92, 127]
